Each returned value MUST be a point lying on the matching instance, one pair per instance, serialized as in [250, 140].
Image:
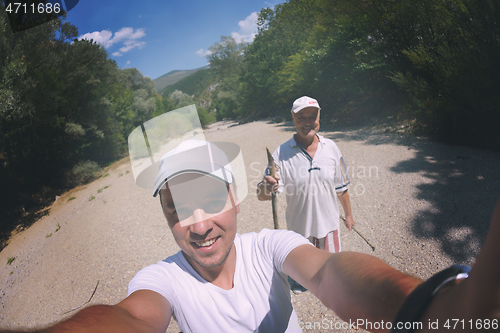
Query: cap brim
[146, 179]
[305, 106]
[224, 175]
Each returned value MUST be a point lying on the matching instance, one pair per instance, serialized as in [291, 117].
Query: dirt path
[422, 205]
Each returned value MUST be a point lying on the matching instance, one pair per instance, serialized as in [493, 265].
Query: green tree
[362, 58]
[454, 74]
[282, 33]
[180, 99]
[53, 113]
[226, 58]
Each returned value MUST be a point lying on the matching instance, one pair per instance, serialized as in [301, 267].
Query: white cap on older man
[304, 102]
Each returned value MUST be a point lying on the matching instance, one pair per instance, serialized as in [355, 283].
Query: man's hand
[268, 186]
[346, 205]
[349, 222]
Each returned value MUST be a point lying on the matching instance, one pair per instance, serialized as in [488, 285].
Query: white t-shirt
[259, 301]
[310, 186]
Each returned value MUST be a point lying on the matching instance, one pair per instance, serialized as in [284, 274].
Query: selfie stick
[272, 171]
[360, 235]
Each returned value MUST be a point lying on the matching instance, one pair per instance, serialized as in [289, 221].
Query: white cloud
[246, 32]
[203, 53]
[129, 45]
[249, 25]
[126, 36]
[243, 38]
[248, 29]
[101, 37]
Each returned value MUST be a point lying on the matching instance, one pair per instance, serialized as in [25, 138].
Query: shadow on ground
[463, 190]
[12, 224]
[461, 184]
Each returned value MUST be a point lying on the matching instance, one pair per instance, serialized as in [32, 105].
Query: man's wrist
[417, 302]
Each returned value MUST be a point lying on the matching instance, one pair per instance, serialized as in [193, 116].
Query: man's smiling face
[201, 212]
[306, 122]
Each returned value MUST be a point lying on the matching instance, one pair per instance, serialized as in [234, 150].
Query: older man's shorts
[330, 243]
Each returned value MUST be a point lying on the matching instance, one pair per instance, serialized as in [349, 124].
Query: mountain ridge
[174, 76]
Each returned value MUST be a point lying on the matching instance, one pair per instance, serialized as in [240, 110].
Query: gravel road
[422, 205]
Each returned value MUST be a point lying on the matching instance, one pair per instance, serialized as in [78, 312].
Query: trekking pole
[272, 171]
[360, 235]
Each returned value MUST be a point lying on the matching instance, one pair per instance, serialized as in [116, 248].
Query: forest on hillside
[66, 109]
[435, 62]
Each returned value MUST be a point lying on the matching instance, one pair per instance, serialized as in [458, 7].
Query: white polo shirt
[310, 186]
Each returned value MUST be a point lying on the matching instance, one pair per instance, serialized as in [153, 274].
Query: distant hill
[193, 84]
[173, 77]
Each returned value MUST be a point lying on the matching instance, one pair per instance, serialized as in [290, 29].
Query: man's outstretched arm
[354, 285]
[476, 300]
[359, 286]
[143, 311]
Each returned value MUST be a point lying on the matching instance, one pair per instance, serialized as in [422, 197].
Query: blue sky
[157, 36]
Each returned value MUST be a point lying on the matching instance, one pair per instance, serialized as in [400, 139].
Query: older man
[221, 281]
[311, 173]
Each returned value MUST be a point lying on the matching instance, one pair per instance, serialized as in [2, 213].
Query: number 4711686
[478, 324]
[41, 8]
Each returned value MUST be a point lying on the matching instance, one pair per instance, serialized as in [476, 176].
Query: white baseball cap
[304, 102]
[197, 156]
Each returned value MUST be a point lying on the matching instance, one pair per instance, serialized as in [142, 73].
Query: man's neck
[305, 142]
[309, 144]
[223, 275]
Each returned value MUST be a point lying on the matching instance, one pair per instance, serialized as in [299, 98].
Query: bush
[205, 117]
[82, 173]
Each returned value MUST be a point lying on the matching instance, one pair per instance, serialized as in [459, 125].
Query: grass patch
[10, 260]
[121, 174]
[72, 198]
[91, 198]
[48, 235]
[105, 175]
[101, 189]
[58, 227]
